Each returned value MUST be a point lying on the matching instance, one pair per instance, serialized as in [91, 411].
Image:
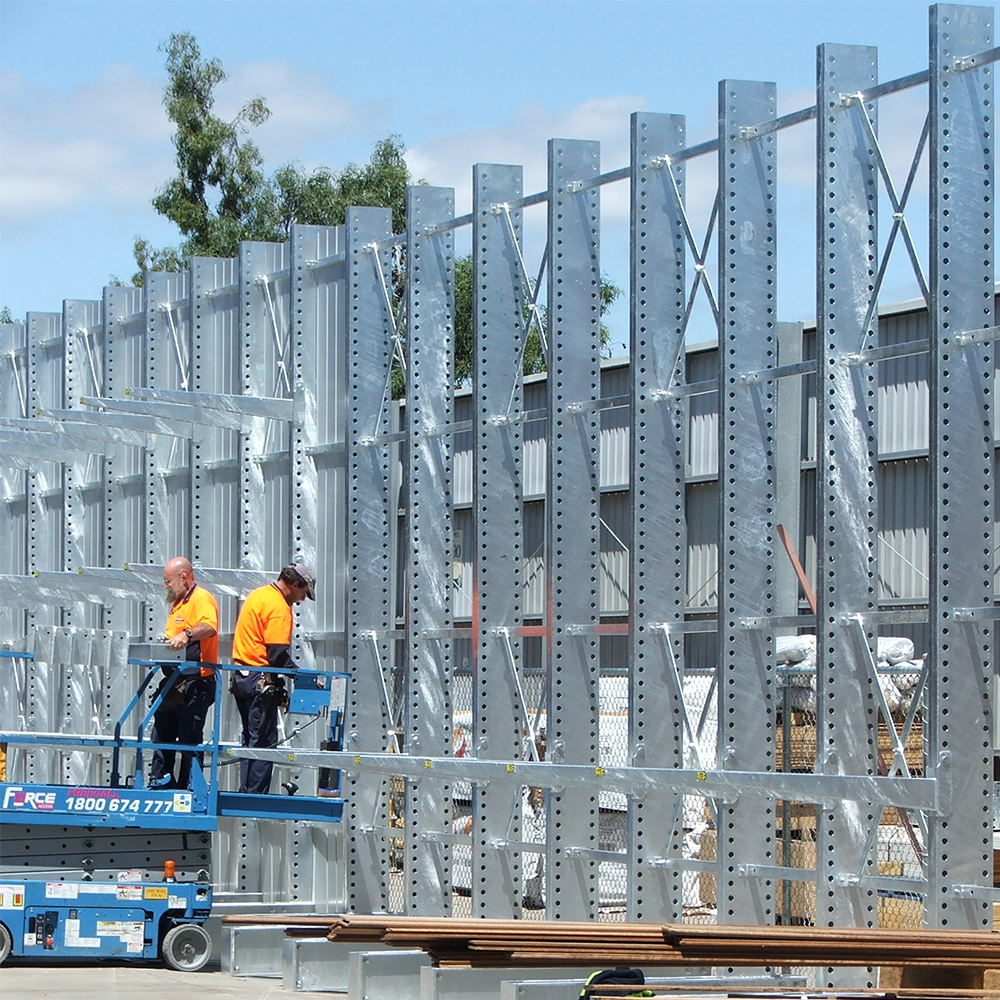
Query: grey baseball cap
[308, 577]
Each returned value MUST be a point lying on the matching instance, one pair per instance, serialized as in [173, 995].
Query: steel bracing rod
[19, 686]
[899, 223]
[917, 697]
[694, 758]
[396, 324]
[677, 389]
[280, 344]
[899, 757]
[778, 124]
[533, 289]
[899, 555]
[667, 163]
[712, 581]
[22, 398]
[84, 334]
[167, 308]
[530, 719]
[391, 731]
[693, 755]
[858, 632]
[931, 794]
[516, 807]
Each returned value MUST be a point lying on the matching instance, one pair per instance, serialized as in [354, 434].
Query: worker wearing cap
[193, 626]
[263, 638]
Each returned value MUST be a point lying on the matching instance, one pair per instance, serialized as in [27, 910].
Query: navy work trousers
[259, 714]
[184, 725]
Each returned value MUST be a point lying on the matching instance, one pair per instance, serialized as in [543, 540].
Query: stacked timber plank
[556, 943]
[453, 942]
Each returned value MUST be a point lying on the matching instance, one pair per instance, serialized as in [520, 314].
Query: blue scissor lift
[124, 870]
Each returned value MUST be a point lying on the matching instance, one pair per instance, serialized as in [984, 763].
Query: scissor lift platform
[124, 870]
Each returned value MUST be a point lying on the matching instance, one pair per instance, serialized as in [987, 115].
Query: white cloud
[308, 116]
[446, 160]
[106, 142]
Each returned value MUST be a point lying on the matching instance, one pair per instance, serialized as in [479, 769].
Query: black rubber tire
[186, 947]
[6, 944]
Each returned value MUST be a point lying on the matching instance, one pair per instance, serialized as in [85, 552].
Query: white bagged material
[893, 649]
[795, 648]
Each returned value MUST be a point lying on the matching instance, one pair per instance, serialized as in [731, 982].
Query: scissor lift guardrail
[124, 870]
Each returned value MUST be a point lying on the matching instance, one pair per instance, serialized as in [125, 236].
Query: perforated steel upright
[125, 484]
[215, 451]
[83, 336]
[319, 366]
[370, 517]
[747, 343]
[962, 585]
[498, 715]
[13, 478]
[430, 310]
[658, 562]
[572, 568]
[46, 390]
[265, 467]
[846, 502]
[168, 461]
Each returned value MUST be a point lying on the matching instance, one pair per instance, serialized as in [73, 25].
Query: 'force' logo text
[20, 799]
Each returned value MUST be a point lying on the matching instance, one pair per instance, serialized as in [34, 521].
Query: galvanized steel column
[319, 364]
[572, 567]
[846, 502]
[370, 518]
[46, 488]
[959, 717]
[498, 713]
[658, 560]
[125, 483]
[168, 461]
[14, 511]
[215, 452]
[266, 471]
[430, 310]
[85, 516]
[747, 343]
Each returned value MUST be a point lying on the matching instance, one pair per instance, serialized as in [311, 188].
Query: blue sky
[84, 141]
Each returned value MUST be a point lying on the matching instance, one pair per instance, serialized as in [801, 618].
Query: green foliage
[5, 316]
[221, 195]
[322, 197]
[534, 356]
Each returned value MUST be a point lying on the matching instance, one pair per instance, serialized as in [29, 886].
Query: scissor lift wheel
[186, 947]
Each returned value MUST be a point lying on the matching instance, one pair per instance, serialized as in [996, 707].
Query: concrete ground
[30, 979]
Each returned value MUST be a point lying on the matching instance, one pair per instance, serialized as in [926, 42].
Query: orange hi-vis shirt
[197, 607]
[265, 620]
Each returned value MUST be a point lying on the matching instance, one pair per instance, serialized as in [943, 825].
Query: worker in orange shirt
[263, 638]
[192, 625]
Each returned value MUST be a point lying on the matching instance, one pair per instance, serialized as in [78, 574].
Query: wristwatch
[187, 632]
